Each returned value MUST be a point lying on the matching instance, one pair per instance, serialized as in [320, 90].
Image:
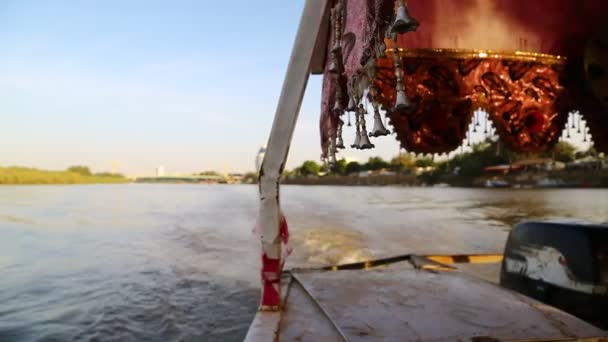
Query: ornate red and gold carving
[519, 90]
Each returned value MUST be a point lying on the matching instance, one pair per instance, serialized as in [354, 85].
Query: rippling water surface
[179, 262]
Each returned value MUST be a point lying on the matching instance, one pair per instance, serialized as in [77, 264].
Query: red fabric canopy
[520, 60]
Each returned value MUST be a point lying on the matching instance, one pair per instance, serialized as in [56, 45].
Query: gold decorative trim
[485, 54]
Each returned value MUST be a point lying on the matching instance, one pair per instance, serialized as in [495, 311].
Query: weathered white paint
[285, 118]
[281, 133]
[542, 263]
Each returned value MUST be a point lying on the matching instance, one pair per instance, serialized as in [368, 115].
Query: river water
[144, 262]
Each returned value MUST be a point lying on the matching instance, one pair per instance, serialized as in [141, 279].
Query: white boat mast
[273, 164]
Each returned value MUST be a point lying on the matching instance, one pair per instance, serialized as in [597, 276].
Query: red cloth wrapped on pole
[272, 269]
[271, 277]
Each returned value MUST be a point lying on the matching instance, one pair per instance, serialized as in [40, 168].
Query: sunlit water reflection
[179, 262]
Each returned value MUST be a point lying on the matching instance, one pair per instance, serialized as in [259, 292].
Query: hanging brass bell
[336, 66]
[340, 141]
[357, 141]
[364, 143]
[332, 150]
[401, 101]
[332, 158]
[379, 129]
[403, 21]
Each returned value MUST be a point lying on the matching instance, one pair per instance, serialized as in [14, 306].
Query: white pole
[285, 118]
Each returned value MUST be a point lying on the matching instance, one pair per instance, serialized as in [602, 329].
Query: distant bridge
[182, 179]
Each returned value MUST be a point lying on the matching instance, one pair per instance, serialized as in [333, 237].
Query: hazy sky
[188, 85]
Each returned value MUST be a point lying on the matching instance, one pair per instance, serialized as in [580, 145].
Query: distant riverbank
[572, 179]
[396, 179]
[78, 175]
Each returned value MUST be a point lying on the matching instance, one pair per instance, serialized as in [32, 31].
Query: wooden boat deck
[402, 303]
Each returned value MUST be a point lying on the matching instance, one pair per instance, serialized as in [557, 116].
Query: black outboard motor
[562, 264]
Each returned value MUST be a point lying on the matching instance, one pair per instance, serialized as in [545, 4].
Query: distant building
[235, 178]
[386, 172]
[541, 164]
[422, 169]
[365, 173]
[160, 171]
[588, 163]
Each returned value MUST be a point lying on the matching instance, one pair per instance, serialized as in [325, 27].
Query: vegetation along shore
[487, 164]
[73, 175]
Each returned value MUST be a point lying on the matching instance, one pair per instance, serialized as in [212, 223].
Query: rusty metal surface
[403, 304]
[264, 327]
[487, 272]
[303, 320]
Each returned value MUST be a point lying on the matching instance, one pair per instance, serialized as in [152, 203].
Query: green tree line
[73, 175]
[469, 164]
[403, 163]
